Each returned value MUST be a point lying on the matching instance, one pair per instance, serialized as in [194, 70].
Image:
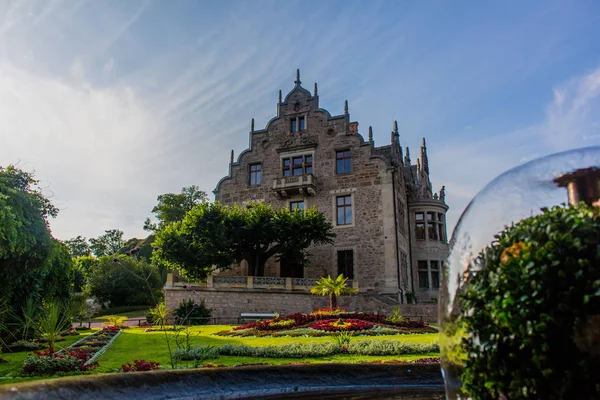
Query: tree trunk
[332, 301]
[256, 265]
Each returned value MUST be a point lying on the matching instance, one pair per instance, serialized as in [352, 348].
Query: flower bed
[301, 320]
[46, 362]
[340, 324]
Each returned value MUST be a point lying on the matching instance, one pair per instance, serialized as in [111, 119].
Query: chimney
[582, 185]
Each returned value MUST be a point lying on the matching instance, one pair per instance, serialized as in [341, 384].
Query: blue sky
[113, 102]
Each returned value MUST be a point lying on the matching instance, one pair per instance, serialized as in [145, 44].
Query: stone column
[288, 284]
[250, 283]
[209, 282]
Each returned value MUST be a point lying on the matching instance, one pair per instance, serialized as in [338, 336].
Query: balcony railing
[299, 184]
[248, 282]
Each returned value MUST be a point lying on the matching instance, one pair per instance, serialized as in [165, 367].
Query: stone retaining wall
[228, 304]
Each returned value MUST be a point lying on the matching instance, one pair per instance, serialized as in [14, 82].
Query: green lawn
[10, 371]
[135, 344]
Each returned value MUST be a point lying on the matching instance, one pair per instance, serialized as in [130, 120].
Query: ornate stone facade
[390, 226]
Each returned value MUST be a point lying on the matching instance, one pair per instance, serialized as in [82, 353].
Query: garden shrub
[140, 365]
[197, 353]
[190, 312]
[115, 320]
[25, 345]
[342, 325]
[46, 362]
[532, 313]
[390, 347]
[292, 350]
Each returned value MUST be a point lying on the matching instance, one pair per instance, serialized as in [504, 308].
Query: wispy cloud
[572, 120]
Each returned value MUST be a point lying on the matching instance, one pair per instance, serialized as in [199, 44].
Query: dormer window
[298, 124]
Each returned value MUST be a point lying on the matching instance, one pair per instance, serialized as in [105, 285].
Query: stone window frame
[257, 172]
[421, 222]
[297, 200]
[291, 155]
[430, 274]
[295, 123]
[354, 260]
[343, 150]
[353, 208]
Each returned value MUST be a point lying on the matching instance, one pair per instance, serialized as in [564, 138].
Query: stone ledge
[241, 383]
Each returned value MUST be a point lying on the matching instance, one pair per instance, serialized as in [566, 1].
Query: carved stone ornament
[296, 140]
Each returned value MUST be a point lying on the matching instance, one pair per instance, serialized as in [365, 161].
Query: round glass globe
[516, 194]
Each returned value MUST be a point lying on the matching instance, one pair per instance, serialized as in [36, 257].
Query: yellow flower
[513, 251]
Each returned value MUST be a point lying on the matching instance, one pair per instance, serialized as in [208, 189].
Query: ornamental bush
[140, 365]
[197, 353]
[46, 362]
[191, 312]
[390, 347]
[342, 325]
[531, 314]
[24, 345]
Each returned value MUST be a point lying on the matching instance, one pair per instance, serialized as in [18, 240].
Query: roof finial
[279, 96]
[346, 107]
[370, 134]
[297, 81]
[424, 159]
[407, 158]
[252, 126]
[316, 90]
[231, 160]
[395, 126]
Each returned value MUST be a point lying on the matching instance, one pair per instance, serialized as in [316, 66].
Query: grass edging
[103, 349]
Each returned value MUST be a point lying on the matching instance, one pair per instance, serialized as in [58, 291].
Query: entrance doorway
[290, 268]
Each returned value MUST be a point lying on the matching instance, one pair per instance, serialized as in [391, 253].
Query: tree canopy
[216, 235]
[173, 207]
[78, 246]
[108, 244]
[25, 240]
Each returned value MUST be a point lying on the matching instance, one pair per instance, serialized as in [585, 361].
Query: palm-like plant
[160, 314]
[28, 318]
[327, 286]
[53, 321]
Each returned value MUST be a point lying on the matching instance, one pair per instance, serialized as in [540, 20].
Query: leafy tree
[215, 235]
[108, 244]
[78, 246]
[144, 247]
[124, 281]
[86, 264]
[327, 286]
[25, 240]
[58, 273]
[173, 207]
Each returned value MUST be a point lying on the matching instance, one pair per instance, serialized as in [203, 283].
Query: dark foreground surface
[317, 381]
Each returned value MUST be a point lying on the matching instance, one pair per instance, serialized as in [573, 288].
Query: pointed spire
[418, 164]
[424, 159]
[231, 160]
[297, 81]
[395, 126]
[279, 96]
[370, 134]
[316, 90]
[252, 126]
[407, 158]
[346, 107]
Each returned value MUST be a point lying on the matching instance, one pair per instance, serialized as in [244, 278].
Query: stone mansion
[390, 226]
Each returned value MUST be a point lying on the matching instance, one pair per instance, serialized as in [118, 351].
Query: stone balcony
[300, 184]
[262, 283]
